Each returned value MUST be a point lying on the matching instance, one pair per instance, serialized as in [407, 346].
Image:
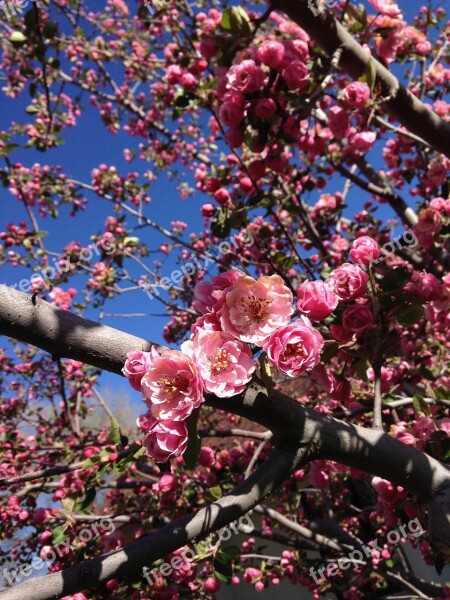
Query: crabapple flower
[172, 387]
[316, 300]
[358, 318]
[245, 77]
[226, 364]
[349, 282]
[294, 349]
[356, 94]
[136, 365]
[164, 440]
[296, 75]
[254, 309]
[210, 295]
[271, 54]
[364, 250]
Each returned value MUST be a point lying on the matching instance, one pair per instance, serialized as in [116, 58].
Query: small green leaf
[215, 492]
[59, 534]
[31, 109]
[235, 20]
[85, 503]
[220, 225]
[395, 279]
[114, 432]
[420, 406]
[410, 315]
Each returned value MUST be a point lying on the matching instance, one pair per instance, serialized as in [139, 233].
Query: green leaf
[59, 534]
[220, 225]
[31, 109]
[361, 367]
[235, 20]
[192, 451]
[223, 567]
[395, 279]
[17, 38]
[85, 503]
[410, 315]
[420, 406]
[215, 492]
[114, 432]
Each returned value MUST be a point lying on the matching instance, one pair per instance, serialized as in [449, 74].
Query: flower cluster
[240, 316]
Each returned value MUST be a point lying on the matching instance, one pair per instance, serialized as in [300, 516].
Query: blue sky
[86, 147]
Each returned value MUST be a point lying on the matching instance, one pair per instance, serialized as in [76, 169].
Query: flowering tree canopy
[304, 377]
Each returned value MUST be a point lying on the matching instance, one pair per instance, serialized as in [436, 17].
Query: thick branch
[292, 425]
[401, 104]
[133, 557]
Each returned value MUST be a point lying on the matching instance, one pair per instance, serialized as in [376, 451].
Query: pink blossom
[226, 364]
[167, 483]
[265, 108]
[356, 94]
[271, 53]
[425, 285]
[254, 309]
[245, 77]
[208, 210]
[294, 349]
[231, 112]
[172, 386]
[363, 140]
[206, 457]
[210, 295]
[136, 365]
[364, 250]
[316, 300]
[358, 318]
[296, 75]
[338, 121]
[386, 7]
[165, 440]
[349, 282]
[429, 222]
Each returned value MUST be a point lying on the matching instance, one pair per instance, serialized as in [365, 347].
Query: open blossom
[349, 282]
[364, 250]
[254, 309]
[226, 364]
[296, 75]
[294, 349]
[386, 7]
[429, 222]
[356, 94]
[136, 365]
[425, 285]
[172, 387]
[210, 295]
[316, 300]
[358, 318]
[271, 53]
[245, 78]
[163, 439]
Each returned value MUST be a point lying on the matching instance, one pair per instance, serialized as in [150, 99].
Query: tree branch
[400, 103]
